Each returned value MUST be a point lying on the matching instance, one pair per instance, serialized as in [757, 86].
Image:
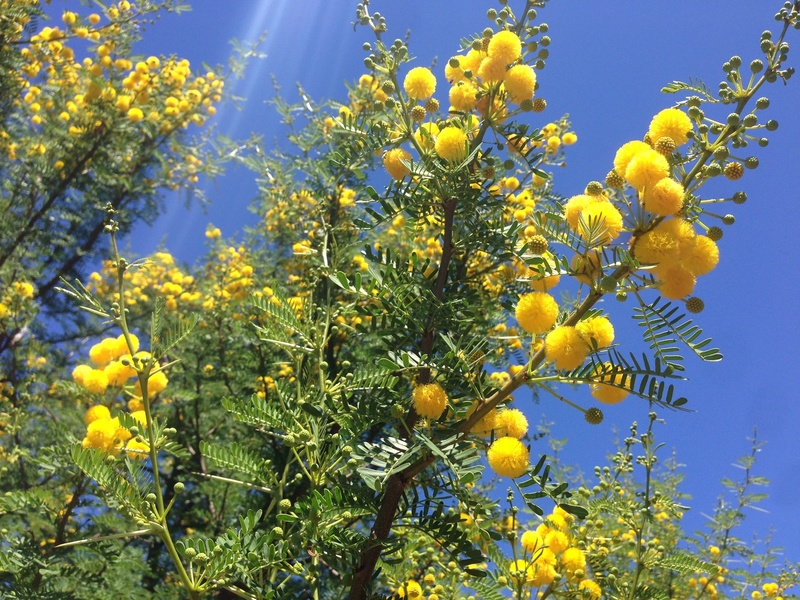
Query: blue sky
[608, 61]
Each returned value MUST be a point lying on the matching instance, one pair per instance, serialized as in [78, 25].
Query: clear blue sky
[609, 59]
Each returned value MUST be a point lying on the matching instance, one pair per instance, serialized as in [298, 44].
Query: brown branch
[396, 484]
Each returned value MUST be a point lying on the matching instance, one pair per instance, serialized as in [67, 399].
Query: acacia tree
[316, 406]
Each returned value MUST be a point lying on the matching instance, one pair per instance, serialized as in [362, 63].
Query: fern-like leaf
[665, 325]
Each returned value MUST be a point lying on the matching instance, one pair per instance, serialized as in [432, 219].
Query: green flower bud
[491, 14]
[756, 66]
[728, 219]
[714, 233]
[190, 553]
[772, 125]
[750, 120]
[735, 62]
[179, 487]
[751, 162]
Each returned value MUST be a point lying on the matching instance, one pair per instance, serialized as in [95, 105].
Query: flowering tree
[316, 408]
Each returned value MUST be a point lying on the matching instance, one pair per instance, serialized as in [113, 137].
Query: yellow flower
[492, 69]
[566, 347]
[117, 373]
[668, 242]
[671, 123]
[531, 541]
[212, 232]
[602, 222]
[537, 312]
[156, 383]
[451, 144]
[104, 351]
[463, 96]
[665, 198]
[419, 83]
[676, 281]
[626, 153]
[520, 82]
[79, 373]
[591, 588]
[393, 162]
[486, 424]
[410, 589]
[573, 560]
[508, 457]
[135, 114]
[430, 400]
[96, 412]
[24, 289]
[646, 169]
[95, 381]
[702, 257]
[569, 138]
[426, 135]
[598, 329]
[605, 393]
[137, 450]
[505, 46]
[511, 422]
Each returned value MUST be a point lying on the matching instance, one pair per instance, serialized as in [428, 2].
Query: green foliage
[322, 410]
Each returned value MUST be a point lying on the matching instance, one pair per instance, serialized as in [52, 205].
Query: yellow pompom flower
[410, 589]
[521, 571]
[137, 450]
[95, 381]
[117, 373]
[605, 393]
[573, 560]
[520, 82]
[676, 281]
[79, 373]
[505, 46]
[463, 96]
[135, 114]
[454, 74]
[569, 138]
[574, 207]
[430, 400]
[646, 169]
[96, 412]
[531, 541]
[24, 289]
[667, 243]
[121, 346]
[426, 134]
[156, 383]
[544, 569]
[451, 144]
[511, 422]
[671, 123]
[419, 83]
[557, 541]
[600, 216]
[598, 329]
[587, 586]
[626, 153]
[537, 312]
[508, 457]
[492, 70]
[393, 162]
[486, 424]
[703, 256]
[104, 351]
[665, 198]
[566, 347]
